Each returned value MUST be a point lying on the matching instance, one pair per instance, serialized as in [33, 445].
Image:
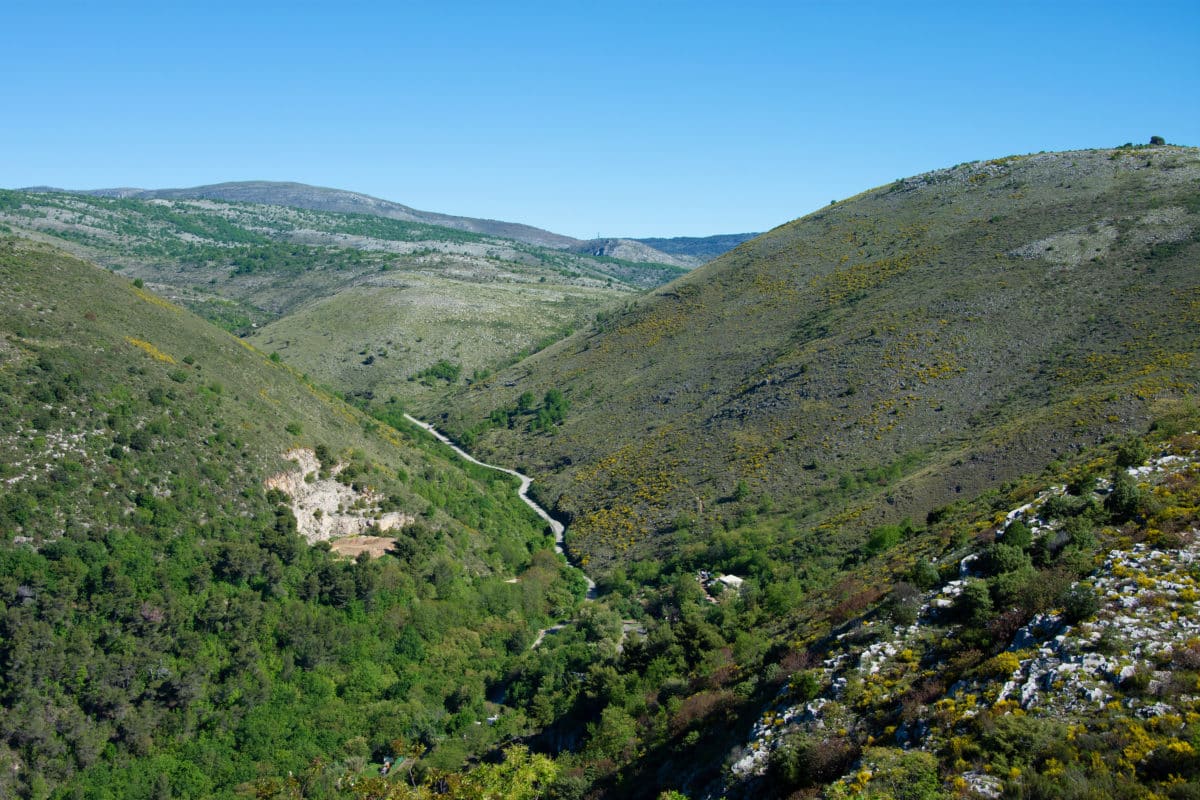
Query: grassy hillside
[164, 629]
[860, 499]
[872, 361]
[332, 290]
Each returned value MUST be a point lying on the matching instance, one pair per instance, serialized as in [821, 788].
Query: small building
[731, 581]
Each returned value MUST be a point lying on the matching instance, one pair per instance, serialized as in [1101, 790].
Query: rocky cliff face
[326, 509]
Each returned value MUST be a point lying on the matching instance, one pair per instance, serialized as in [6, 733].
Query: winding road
[523, 492]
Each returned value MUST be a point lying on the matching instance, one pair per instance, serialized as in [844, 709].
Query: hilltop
[680, 252]
[875, 360]
[320, 198]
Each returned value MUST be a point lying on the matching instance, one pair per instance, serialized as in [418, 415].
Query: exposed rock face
[326, 509]
[1148, 612]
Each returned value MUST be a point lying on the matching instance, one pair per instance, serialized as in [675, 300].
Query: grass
[279, 275]
[939, 315]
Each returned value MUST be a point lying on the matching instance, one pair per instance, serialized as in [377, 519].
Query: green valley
[166, 627]
[899, 500]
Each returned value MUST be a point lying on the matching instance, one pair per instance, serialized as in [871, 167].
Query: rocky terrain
[1122, 654]
[325, 508]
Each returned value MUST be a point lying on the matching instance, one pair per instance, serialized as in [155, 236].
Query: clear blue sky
[635, 119]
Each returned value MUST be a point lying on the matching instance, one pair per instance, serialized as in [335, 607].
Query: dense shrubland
[878, 644]
[164, 630]
[674, 704]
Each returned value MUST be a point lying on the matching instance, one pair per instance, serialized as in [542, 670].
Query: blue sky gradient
[629, 119]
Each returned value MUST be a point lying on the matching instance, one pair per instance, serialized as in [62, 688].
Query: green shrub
[441, 370]
[902, 775]
[1079, 604]
[1002, 557]
[1009, 587]
[924, 575]
[974, 604]
[1082, 486]
[1132, 453]
[805, 686]
[1124, 499]
[885, 537]
[1018, 535]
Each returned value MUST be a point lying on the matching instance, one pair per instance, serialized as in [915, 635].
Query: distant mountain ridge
[468, 299]
[320, 198]
[702, 248]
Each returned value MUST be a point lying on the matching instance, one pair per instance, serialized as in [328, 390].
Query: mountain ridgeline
[872, 361]
[366, 304]
[680, 251]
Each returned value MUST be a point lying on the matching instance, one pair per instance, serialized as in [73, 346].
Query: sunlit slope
[874, 359]
[162, 609]
[324, 286]
[125, 340]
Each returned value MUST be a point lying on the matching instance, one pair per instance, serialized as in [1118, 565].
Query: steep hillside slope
[1037, 641]
[871, 361]
[165, 627]
[359, 302]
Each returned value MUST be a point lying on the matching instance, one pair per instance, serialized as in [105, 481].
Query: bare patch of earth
[351, 546]
[326, 509]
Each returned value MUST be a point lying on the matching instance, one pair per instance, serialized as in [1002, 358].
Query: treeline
[528, 412]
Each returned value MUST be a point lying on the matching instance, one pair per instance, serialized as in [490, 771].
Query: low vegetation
[166, 631]
[321, 288]
[898, 501]
[870, 362]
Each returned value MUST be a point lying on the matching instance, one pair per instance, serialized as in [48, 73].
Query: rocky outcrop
[326, 509]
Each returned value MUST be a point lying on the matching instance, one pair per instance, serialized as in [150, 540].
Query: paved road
[555, 525]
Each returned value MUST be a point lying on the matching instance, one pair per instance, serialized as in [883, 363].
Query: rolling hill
[680, 252]
[898, 500]
[875, 360]
[319, 198]
[362, 303]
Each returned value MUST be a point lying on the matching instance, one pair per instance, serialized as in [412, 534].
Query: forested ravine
[523, 491]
